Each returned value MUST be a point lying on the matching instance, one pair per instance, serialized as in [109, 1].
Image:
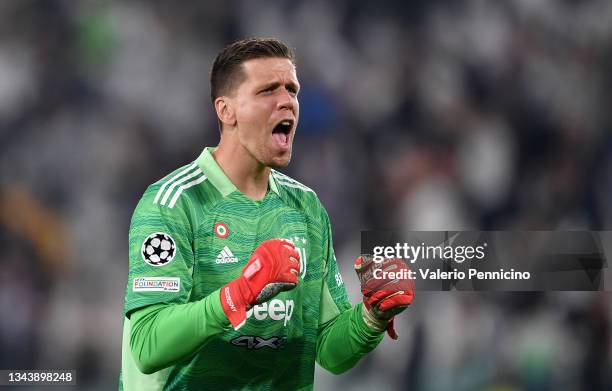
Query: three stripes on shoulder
[189, 177]
[170, 191]
[284, 180]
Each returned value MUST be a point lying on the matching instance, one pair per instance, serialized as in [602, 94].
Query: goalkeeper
[233, 282]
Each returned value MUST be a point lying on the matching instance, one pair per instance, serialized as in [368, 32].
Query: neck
[246, 173]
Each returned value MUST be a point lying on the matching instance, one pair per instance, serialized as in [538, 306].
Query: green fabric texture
[344, 340]
[162, 335]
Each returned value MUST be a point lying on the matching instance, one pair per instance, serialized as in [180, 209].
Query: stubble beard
[277, 162]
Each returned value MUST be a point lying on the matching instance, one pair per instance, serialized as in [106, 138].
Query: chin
[279, 162]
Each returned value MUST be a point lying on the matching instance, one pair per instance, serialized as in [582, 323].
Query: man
[215, 298]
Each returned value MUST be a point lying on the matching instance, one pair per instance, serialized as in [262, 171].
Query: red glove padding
[384, 297]
[273, 267]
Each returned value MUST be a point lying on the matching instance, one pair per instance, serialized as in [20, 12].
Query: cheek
[252, 124]
[253, 114]
[243, 114]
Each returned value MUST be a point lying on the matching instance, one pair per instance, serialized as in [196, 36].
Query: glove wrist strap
[372, 322]
[233, 304]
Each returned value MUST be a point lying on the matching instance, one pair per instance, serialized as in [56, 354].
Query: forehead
[265, 70]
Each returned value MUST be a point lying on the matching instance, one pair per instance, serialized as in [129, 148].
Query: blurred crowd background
[415, 115]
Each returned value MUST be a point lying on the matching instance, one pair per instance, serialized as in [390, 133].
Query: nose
[287, 100]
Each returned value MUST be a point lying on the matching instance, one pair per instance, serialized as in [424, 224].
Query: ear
[225, 110]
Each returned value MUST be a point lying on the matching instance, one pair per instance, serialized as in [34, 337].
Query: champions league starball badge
[158, 249]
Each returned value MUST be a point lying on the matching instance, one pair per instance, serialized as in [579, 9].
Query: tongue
[280, 137]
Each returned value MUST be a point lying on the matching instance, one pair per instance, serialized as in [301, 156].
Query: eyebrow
[276, 84]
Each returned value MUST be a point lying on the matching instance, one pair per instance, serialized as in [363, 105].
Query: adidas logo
[226, 256]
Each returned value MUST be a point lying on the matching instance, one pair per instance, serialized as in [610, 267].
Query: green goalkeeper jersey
[191, 233]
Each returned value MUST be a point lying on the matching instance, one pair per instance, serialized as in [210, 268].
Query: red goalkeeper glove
[273, 267]
[383, 297]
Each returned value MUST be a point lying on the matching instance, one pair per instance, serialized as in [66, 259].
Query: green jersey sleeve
[334, 299]
[343, 337]
[344, 340]
[162, 335]
[161, 256]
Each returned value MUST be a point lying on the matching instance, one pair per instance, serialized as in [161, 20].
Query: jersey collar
[217, 177]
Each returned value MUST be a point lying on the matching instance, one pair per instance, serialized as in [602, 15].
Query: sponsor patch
[228, 299]
[156, 284]
[338, 279]
[257, 342]
[158, 249]
[275, 309]
[226, 256]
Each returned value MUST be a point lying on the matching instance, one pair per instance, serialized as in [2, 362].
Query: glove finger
[295, 270]
[286, 242]
[375, 297]
[358, 264]
[391, 329]
[294, 257]
[293, 266]
[290, 276]
[400, 300]
[289, 252]
[367, 292]
[274, 248]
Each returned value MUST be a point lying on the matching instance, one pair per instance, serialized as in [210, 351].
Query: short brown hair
[226, 73]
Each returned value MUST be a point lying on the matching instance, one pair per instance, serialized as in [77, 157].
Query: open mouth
[281, 132]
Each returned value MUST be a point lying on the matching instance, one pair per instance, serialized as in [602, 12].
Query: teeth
[286, 123]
